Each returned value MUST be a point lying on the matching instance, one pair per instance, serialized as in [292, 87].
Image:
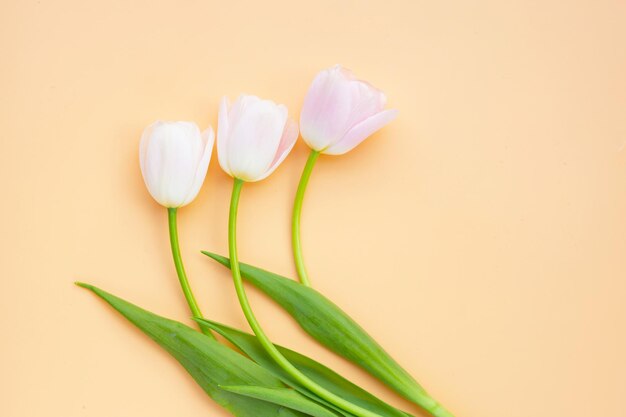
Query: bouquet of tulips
[265, 380]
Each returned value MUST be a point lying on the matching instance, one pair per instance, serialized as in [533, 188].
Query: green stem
[180, 269]
[256, 327]
[296, 240]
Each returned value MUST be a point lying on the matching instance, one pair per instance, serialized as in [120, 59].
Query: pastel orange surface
[481, 237]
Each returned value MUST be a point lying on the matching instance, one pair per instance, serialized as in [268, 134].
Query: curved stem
[180, 269]
[296, 240]
[256, 327]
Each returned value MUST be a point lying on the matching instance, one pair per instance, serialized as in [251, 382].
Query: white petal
[287, 141]
[254, 138]
[208, 137]
[169, 161]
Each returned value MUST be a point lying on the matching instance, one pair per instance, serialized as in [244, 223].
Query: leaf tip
[221, 259]
[83, 285]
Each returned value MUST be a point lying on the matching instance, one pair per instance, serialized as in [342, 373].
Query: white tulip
[174, 158]
[253, 137]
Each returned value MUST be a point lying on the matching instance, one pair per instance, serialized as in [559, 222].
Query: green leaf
[333, 328]
[319, 373]
[283, 396]
[211, 364]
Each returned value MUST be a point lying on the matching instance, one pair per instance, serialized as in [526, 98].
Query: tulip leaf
[210, 363]
[319, 373]
[282, 396]
[332, 327]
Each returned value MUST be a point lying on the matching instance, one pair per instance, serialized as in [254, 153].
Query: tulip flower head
[174, 158]
[339, 112]
[253, 137]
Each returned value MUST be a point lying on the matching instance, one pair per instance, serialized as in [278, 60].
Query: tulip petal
[179, 146]
[208, 136]
[327, 108]
[360, 132]
[368, 102]
[254, 138]
[287, 142]
[335, 103]
[169, 156]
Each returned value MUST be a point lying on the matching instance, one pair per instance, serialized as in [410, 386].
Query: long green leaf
[207, 361]
[284, 396]
[319, 373]
[329, 325]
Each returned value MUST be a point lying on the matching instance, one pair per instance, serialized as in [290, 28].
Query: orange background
[481, 237]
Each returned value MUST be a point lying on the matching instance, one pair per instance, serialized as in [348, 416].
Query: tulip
[253, 137]
[174, 158]
[339, 112]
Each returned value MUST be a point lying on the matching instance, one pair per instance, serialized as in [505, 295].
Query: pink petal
[335, 103]
[361, 131]
[327, 108]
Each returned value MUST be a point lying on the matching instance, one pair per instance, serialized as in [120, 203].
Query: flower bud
[174, 158]
[339, 112]
[253, 137]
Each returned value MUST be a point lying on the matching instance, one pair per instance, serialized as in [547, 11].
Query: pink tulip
[253, 137]
[340, 112]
